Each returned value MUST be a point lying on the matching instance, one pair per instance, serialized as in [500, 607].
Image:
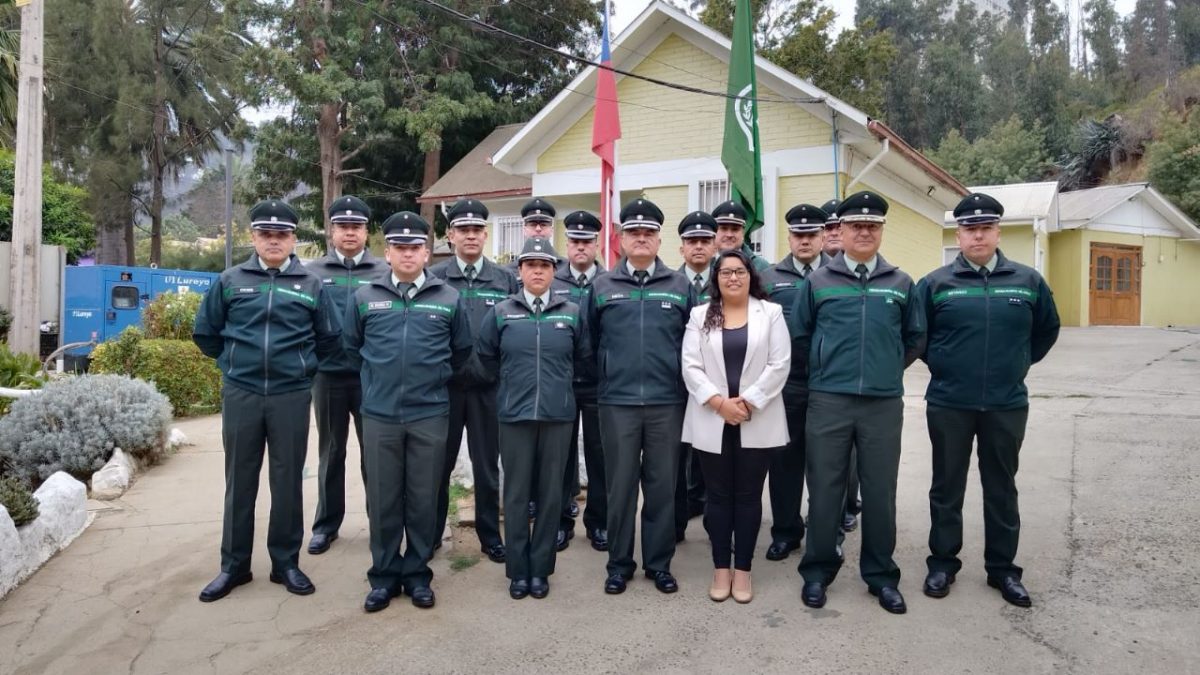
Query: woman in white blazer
[736, 356]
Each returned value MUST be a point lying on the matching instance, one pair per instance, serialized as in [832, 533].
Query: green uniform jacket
[567, 286]
[985, 332]
[783, 284]
[861, 336]
[267, 333]
[760, 263]
[638, 335]
[339, 283]
[491, 285]
[407, 349]
[535, 358]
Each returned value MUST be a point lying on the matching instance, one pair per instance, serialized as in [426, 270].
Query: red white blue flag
[606, 129]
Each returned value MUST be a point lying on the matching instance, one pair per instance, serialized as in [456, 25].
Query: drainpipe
[837, 192]
[887, 146]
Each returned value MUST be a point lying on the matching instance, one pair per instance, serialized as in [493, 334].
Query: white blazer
[764, 372]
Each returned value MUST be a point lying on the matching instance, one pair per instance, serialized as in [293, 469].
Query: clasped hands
[733, 410]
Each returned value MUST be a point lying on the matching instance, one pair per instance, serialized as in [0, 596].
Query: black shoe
[573, 509]
[778, 550]
[1013, 591]
[890, 599]
[518, 588]
[320, 542]
[533, 510]
[295, 581]
[937, 584]
[563, 539]
[422, 596]
[663, 581]
[813, 594]
[539, 587]
[615, 584]
[495, 552]
[849, 522]
[223, 584]
[377, 599]
[599, 539]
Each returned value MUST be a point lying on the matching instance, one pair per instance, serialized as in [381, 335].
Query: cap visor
[967, 221]
[582, 235]
[273, 226]
[863, 218]
[807, 228]
[468, 222]
[641, 224]
[698, 234]
[406, 239]
[349, 219]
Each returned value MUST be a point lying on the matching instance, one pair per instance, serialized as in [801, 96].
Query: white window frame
[710, 193]
[949, 253]
[509, 233]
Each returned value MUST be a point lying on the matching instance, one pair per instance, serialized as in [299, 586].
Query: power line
[588, 62]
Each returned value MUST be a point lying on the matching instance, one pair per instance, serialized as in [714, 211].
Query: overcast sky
[625, 11]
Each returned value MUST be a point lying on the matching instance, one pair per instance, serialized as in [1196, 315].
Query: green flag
[740, 151]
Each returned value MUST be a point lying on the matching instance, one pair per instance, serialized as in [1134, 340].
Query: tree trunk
[158, 153]
[433, 170]
[329, 137]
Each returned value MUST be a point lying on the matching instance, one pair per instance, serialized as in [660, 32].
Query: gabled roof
[475, 176]
[629, 48]
[1023, 202]
[1081, 208]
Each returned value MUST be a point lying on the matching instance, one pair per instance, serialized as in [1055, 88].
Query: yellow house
[814, 146]
[1119, 255]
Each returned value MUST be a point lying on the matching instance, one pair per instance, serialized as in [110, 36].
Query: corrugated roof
[1023, 202]
[474, 175]
[1082, 206]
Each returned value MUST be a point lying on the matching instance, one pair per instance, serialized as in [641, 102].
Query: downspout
[887, 146]
[837, 192]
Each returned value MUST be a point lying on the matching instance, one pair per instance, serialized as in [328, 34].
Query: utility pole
[24, 286]
[228, 207]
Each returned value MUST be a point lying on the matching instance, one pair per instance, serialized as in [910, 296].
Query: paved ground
[1109, 478]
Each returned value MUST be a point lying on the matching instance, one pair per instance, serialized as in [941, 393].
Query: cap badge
[537, 248]
[978, 211]
[866, 210]
[406, 230]
[274, 219]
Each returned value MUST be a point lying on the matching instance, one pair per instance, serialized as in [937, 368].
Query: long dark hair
[715, 318]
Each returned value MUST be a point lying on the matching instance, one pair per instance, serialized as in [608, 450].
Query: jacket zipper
[403, 355]
[537, 386]
[642, 344]
[987, 334]
[267, 341]
[862, 338]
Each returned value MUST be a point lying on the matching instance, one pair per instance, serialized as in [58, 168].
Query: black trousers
[337, 397]
[689, 488]
[533, 454]
[733, 512]
[998, 435]
[404, 462]
[836, 423]
[474, 408]
[251, 424]
[641, 449]
[595, 512]
[786, 479]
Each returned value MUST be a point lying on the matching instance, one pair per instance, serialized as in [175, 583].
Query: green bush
[177, 368]
[171, 316]
[74, 423]
[5, 323]
[18, 371]
[17, 498]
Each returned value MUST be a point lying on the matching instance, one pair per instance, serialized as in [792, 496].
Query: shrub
[16, 496]
[5, 323]
[191, 381]
[172, 316]
[74, 424]
[18, 371]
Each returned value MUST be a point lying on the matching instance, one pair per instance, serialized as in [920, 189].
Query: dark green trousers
[474, 409]
[836, 423]
[595, 512]
[404, 463]
[533, 454]
[786, 479]
[998, 435]
[641, 449]
[250, 424]
[337, 398]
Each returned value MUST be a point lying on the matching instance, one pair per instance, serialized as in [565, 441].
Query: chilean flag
[606, 129]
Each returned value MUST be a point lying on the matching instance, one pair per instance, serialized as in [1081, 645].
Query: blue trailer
[102, 300]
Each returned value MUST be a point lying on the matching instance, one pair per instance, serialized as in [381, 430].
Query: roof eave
[901, 146]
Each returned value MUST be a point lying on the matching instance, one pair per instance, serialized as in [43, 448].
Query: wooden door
[1115, 285]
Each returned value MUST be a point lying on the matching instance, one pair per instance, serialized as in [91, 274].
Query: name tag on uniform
[516, 316]
[1016, 301]
[247, 289]
[665, 305]
[380, 304]
[327, 281]
[559, 325]
[489, 302]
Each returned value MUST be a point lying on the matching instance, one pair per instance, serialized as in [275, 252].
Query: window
[510, 235]
[1124, 275]
[712, 193]
[1104, 273]
[124, 297]
[949, 254]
